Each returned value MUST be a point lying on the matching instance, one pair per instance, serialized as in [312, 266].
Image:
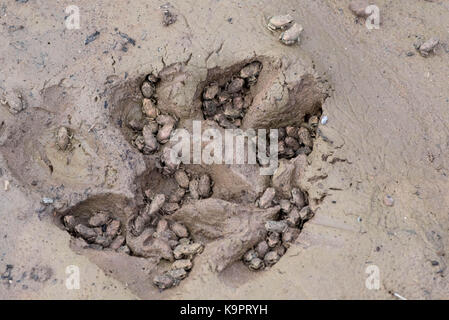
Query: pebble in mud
[388, 201]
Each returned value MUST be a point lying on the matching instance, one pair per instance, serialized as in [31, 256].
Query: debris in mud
[92, 37]
[428, 47]
[227, 103]
[282, 232]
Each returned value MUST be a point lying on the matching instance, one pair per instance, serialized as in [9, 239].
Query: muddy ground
[376, 179]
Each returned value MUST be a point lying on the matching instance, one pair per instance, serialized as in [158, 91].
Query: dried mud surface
[375, 180]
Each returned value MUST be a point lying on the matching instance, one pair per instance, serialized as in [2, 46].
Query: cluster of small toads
[156, 127]
[99, 232]
[280, 233]
[227, 103]
[293, 141]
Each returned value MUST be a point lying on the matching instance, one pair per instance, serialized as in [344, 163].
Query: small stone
[87, 233]
[276, 226]
[211, 91]
[267, 198]
[149, 109]
[63, 138]
[99, 219]
[262, 248]
[324, 120]
[298, 198]
[250, 255]
[204, 186]
[273, 239]
[388, 201]
[117, 242]
[180, 230]
[235, 85]
[147, 89]
[182, 179]
[256, 264]
[271, 258]
[163, 281]
[184, 264]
